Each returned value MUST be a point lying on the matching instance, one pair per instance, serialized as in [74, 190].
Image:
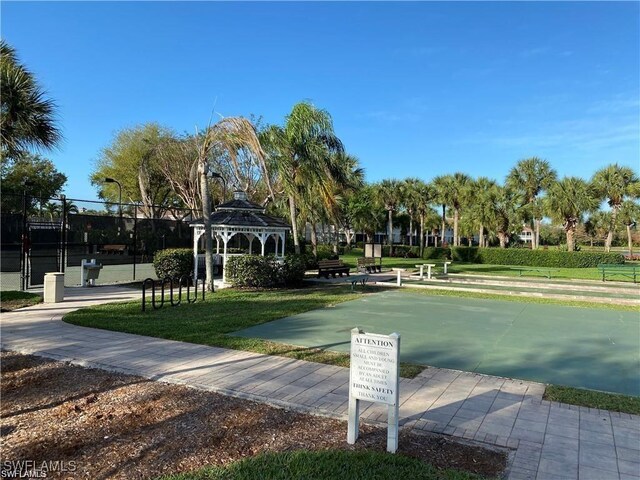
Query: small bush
[173, 262]
[360, 245]
[292, 270]
[256, 271]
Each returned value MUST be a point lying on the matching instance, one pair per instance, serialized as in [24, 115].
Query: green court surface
[579, 347]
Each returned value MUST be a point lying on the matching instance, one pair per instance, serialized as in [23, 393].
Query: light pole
[113, 180]
[224, 184]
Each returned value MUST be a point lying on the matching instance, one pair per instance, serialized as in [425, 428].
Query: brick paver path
[550, 440]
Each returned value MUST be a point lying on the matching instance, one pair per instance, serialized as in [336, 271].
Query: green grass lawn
[479, 269]
[326, 465]
[593, 399]
[10, 300]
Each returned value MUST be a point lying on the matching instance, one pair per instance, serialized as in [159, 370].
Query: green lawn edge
[593, 399]
[327, 465]
[13, 299]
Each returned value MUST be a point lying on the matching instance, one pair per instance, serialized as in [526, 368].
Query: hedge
[173, 262]
[256, 271]
[545, 258]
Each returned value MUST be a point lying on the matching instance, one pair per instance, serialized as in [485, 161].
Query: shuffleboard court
[580, 347]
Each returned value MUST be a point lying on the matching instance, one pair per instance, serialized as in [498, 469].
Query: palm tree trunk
[535, 241]
[336, 239]
[481, 236]
[612, 227]
[571, 243]
[444, 224]
[629, 239]
[206, 217]
[390, 232]
[503, 239]
[314, 238]
[410, 231]
[421, 235]
[294, 224]
[456, 218]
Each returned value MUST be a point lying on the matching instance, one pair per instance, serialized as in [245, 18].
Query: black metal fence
[55, 234]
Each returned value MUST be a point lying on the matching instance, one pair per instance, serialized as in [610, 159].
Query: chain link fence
[56, 234]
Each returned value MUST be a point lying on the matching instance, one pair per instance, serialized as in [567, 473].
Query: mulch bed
[107, 425]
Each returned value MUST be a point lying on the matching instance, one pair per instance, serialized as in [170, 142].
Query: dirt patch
[99, 425]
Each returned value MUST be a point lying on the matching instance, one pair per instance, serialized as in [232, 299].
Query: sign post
[373, 376]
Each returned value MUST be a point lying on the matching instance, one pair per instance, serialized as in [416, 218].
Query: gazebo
[240, 216]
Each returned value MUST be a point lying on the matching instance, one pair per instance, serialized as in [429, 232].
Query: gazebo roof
[240, 212]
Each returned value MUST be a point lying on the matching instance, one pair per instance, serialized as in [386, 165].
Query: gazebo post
[283, 242]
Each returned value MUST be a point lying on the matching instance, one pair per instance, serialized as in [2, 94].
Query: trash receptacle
[89, 272]
[53, 287]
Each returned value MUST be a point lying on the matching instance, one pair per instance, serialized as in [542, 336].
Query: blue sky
[415, 89]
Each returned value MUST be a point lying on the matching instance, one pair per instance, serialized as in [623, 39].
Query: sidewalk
[550, 440]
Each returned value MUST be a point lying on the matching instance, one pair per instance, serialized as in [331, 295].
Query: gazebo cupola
[240, 216]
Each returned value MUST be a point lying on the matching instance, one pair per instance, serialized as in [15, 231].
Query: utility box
[89, 272]
[53, 287]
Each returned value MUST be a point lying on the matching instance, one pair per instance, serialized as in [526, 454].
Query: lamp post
[113, 180]
[224, 184]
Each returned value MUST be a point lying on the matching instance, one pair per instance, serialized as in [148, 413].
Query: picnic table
[630, 271]
[421, 267]
[544, 270]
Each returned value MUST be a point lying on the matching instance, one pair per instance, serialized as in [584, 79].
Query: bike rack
[172, 300]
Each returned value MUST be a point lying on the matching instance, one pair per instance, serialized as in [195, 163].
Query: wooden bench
[369, 265]
[630, 271]
[331, 267]
[545, 271]
[354, 279]
[109, 249]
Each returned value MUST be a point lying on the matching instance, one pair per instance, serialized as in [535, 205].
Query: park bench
[109, 249]
[630, 271]
[354, 279]
[331, 267]
[530, 270]
[369, 265]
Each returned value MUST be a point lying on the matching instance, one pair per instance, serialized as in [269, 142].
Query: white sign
[373, 376]
[374, 367]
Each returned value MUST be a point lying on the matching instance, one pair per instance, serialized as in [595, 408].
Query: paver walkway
[550, 440]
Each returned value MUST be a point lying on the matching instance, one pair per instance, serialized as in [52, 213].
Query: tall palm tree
[425, 197]
[566, 201]
[363, 212]
[410, 191]
[530, 177]
[615, 184]
[300, 152]
[630, 216]
[504, 219]
[389, 195]
[28, 117]
[453, 191]
[226, 138]
[482, 210]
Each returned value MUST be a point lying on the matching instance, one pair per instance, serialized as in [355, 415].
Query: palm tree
[410, 191]
[597, 225]
[27, 118]
[505, 218]
[362, 212]
[423, 198]
[567, 200]
[629, 215]
[301, 152]
[389, 194]
[530, 177]
[482, 211]
[615, 184]
[453, 191]
[226, 138]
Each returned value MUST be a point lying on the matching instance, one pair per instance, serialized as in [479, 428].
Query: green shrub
[545, 258]
[173, 262]
[253, 271]
[359, 244]
[464, 254]
[256, 271]
[292, 270]
[437, 253]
